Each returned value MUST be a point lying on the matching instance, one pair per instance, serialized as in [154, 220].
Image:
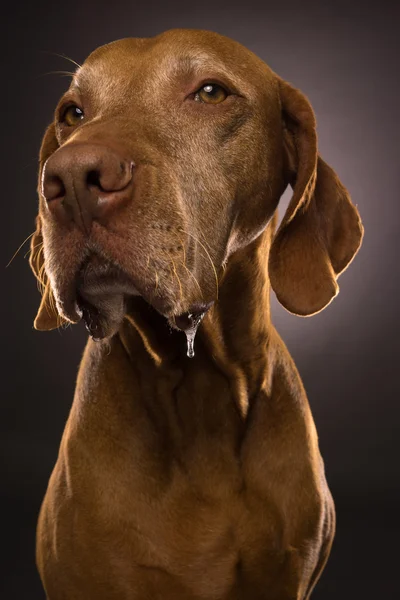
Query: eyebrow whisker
[64, 56]
[65, 73]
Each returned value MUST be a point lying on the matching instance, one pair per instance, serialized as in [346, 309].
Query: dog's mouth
[102, 290]
[99, 296]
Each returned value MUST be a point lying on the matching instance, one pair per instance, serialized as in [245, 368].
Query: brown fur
[179, 478]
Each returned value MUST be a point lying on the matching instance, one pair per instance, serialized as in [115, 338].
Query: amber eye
[72, 115]
[211, 93]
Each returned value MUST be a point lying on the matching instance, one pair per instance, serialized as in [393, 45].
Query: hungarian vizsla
[189, 468]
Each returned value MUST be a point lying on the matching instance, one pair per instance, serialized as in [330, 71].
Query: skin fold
[185, 478]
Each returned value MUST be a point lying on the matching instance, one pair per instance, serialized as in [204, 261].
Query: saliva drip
[189, 323]
[190, 335]
[190, 332]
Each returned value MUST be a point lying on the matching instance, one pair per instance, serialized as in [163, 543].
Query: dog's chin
[102, 315]
[100, 293]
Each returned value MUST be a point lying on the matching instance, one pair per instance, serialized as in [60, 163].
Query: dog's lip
[101, 289]
[94, 278]
[106, 284]
[98, 279]
[190, 320]
[71, 310]
[98, 276]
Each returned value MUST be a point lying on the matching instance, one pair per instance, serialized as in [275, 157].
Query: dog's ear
[47, 317]
[321, 230]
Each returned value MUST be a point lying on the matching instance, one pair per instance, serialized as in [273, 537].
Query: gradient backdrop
[345, 59]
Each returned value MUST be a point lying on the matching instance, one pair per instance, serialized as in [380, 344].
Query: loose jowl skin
[189, 468]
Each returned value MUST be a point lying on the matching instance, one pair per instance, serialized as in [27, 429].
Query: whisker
[36, 256]
[52, 303]
[15, 254]
[191, 274]
[41, 276]
[177, 276]
[202, 235]
[204, 240]
[184, 252]
[156, 274]
[32, 249]
[63, 56]
[209, 257]
[39, 253]
[63, 73]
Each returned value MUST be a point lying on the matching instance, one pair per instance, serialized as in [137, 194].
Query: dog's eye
[211, 93]
[72, 115]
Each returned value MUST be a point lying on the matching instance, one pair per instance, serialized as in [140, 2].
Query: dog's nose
[83, 182]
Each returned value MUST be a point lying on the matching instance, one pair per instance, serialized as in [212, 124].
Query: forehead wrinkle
[194, 64]
[105, 81]
[150, 64]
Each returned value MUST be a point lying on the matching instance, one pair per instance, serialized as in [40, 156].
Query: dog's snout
[84, 182]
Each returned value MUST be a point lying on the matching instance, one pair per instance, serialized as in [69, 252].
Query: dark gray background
[345, 58]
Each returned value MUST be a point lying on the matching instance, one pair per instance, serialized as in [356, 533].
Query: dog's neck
[236, 336]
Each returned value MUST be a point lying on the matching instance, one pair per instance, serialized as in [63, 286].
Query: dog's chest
[198, 516]
[202, 546]
[174, 495]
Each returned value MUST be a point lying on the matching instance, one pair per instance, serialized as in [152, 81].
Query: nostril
[53, 188]
[93, 179]
[111, 176]
[126, 169]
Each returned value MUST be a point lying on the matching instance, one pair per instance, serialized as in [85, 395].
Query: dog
[189, 467]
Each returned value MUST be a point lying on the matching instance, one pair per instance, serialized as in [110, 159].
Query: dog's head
[167, 155]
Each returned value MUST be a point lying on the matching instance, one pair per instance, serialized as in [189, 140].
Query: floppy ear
[47, 317]
[321, 230]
